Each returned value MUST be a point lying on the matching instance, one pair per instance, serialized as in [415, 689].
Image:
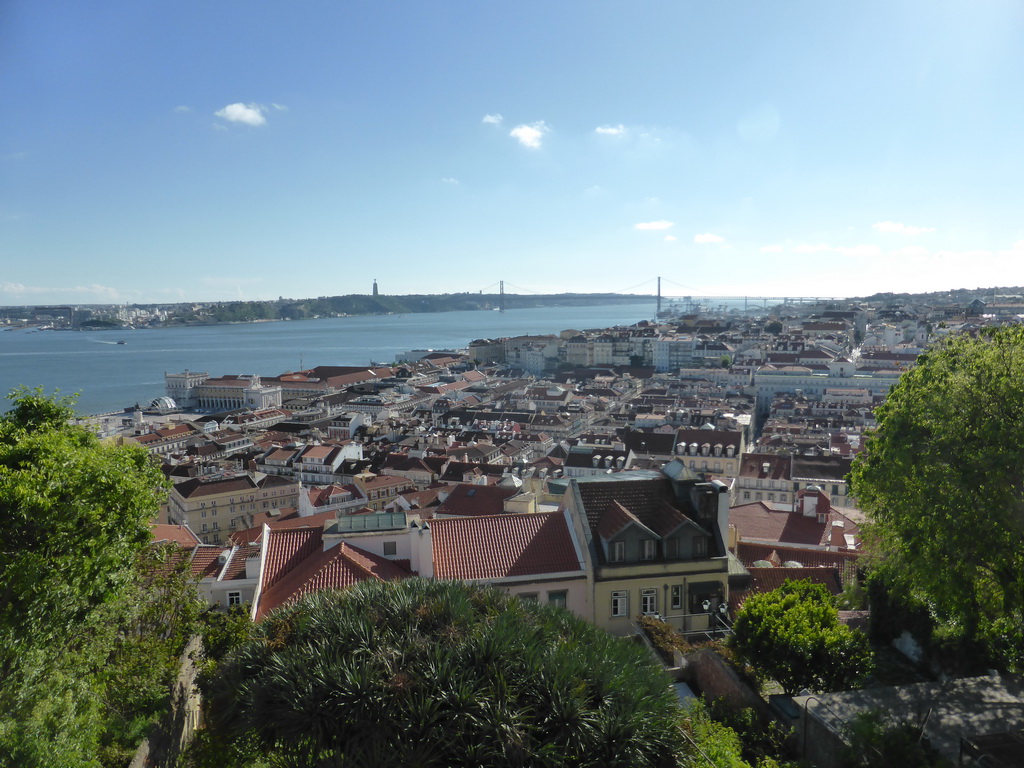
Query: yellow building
[215, 506]
[655, 544]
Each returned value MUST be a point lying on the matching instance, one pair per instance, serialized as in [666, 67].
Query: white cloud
[93, 290]
[279, 107]
[530, 135]
[611, 130]
[771, 249]
[903, 229]
[670, 238]
[1019, 245]
[182, 108]
[805, 248]
[494, 119]
[649, 225]
[911, 251]
[449, 180]
[707, 237]
[859, 251]
[250, 114]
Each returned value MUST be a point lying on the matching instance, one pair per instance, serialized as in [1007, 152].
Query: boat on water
[121, 341]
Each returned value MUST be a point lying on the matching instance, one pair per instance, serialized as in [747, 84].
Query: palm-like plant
[428, 673]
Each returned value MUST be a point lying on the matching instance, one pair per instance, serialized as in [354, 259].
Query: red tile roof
[503, 546]
[615, 518]
[467, 499]
[289, 519]
[762, 522]
[235, 568]
[197, 487]
[748, 552]
[205, 562]
[181, 535]
[296, 565]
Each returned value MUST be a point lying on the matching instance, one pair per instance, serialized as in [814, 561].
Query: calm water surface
[109, 376]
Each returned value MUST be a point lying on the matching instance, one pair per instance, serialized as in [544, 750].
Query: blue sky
[205, 150]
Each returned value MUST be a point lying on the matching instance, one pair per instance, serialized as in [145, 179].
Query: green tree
[432, 673]
[942, 480]
[793, 635]
[75, 517]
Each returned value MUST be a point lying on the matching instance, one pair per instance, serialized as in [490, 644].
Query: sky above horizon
[199, 151]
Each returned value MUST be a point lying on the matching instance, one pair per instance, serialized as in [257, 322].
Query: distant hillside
[361, 304]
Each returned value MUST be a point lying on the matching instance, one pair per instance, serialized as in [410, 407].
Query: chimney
[422, 551]
[837, 537]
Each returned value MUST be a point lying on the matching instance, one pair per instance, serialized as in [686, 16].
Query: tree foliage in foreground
[87, 630]
[431, 673]
[942, 479]
[794, 636]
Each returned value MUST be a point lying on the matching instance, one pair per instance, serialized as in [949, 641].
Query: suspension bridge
[686, 302]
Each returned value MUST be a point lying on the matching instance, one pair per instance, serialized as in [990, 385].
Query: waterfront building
[213, 506]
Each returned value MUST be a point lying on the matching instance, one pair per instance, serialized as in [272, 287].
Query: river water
[109, 376]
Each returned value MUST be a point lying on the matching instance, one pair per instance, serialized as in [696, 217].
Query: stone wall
[716, 679]
[174, 732]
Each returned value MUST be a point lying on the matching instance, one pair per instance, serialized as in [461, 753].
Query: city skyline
[200, 152]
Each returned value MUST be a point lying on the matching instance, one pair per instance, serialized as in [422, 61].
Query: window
[203, 513]
[617, 551]
[557, 598]
[700, 594]
[649, 601]
[649, 550]
[234, 598]
[677, 595]
[216, 527]
[390, 547]
[620, 603]
[204, 527]
[672, 548]
[746, 495]
[700, 546]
